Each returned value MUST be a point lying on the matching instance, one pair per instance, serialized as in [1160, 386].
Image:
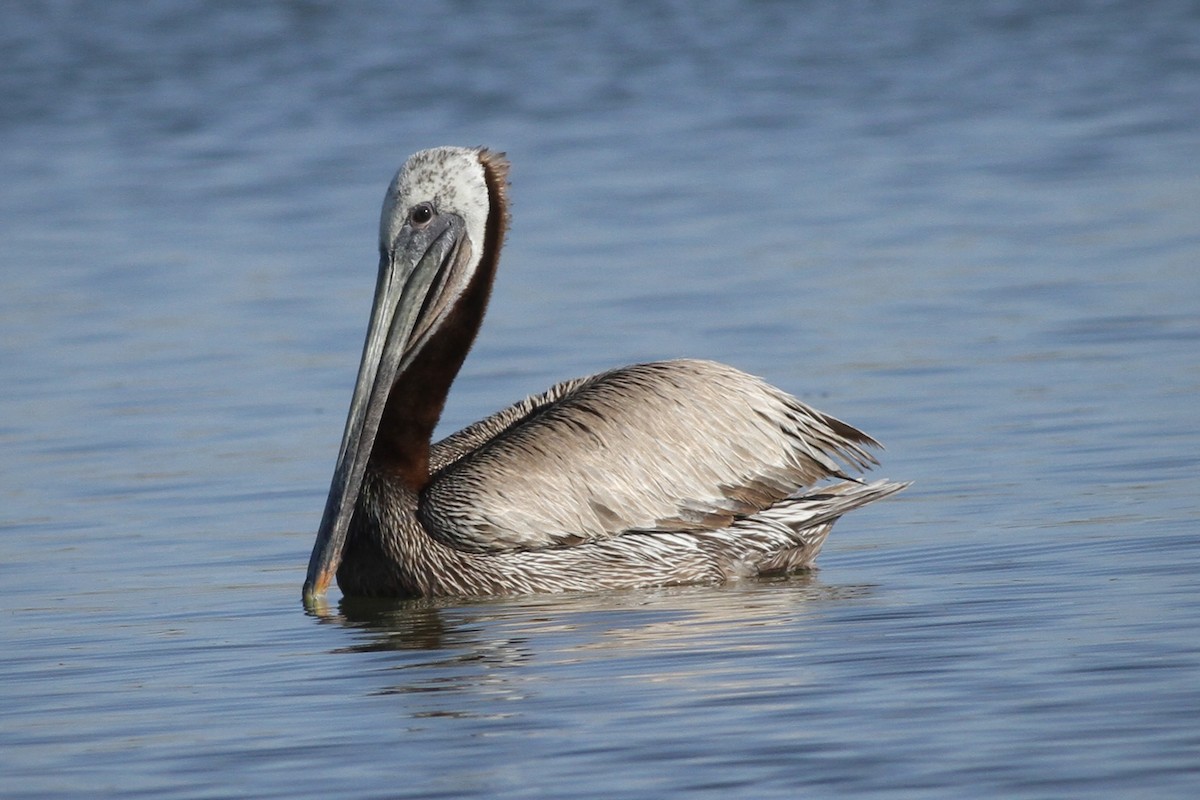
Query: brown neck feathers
[419, 393]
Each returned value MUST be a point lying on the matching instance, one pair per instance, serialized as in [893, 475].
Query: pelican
[655, 474]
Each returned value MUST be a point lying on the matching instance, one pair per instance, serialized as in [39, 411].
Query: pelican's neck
[419, 393]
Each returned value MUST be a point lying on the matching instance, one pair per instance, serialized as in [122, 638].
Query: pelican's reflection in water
[470, 652]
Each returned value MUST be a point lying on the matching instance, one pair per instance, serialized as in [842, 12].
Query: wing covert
[673, 445]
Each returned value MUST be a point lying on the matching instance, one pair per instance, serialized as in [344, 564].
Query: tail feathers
[799, 525]
[828, 503]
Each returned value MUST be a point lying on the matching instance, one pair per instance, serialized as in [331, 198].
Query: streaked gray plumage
[664, 473]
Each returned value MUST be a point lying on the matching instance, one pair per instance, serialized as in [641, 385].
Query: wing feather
[672, 445]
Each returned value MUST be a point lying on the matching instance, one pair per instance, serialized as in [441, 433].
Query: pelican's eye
[421, 214]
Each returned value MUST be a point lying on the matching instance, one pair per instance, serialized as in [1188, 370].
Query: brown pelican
[663, 473]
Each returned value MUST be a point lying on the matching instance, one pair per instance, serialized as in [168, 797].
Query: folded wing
[670, 446]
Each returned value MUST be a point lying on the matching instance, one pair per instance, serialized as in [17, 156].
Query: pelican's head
[443, 218]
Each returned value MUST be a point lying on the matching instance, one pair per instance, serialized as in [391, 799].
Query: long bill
[418, 278]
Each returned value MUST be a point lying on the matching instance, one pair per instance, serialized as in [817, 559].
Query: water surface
[970, 231]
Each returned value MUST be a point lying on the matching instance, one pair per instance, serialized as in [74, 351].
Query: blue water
[972, 230]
